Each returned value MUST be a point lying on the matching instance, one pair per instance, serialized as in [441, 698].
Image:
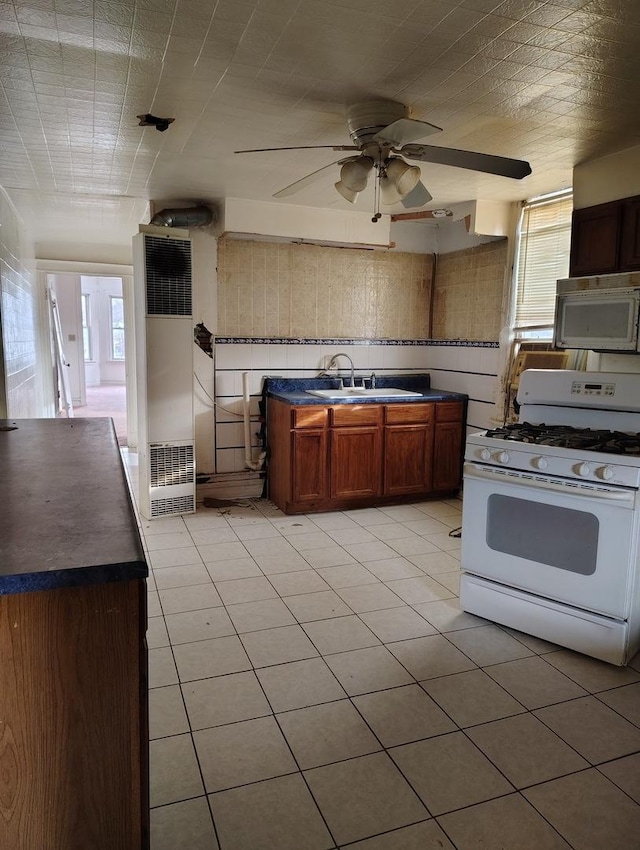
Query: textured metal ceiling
[555, 83]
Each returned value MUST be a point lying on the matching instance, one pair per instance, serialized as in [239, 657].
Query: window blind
[543, 258]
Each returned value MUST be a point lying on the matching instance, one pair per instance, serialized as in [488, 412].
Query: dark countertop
[293, 390]
[66, 516]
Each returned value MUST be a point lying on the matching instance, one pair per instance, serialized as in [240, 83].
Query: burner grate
[568, 437]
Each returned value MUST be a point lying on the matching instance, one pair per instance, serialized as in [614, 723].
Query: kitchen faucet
[332, 365]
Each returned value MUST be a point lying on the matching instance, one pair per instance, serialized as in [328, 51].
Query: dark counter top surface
[294, 390]
[66, 516]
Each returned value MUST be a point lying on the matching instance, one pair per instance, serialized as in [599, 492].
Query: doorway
[94, 339]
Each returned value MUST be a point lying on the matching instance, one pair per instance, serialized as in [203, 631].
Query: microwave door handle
[625, 498]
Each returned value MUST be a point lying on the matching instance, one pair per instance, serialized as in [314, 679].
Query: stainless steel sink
[360, 392]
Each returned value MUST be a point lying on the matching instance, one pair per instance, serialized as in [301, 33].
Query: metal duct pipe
[188, 217]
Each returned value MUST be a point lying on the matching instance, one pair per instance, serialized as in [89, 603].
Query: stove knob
[502, 457]
[540, 462]
[582, 469]
[605, 472]
[485, 454]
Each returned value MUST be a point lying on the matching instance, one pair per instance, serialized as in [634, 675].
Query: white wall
[608, 178]
[21, 390]
[102, 369]
[67, 289]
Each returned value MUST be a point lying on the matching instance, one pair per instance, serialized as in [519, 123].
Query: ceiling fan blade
[304, 148]
[490, 164]
[292, 188]
[405, 130]
[417, 197]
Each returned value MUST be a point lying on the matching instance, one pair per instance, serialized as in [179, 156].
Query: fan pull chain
[377, 215]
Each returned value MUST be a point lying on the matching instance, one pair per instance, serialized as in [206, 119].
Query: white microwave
[603, 320]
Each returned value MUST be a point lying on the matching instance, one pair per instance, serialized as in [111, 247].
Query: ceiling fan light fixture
[355, 173]
[347, 193]
[403, 176]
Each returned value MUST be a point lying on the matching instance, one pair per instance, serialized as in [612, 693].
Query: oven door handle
[627, 497]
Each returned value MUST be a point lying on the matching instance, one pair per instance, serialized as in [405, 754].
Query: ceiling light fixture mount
[149, 120]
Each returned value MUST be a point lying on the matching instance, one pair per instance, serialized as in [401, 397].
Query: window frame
[85, 321]
[116, 327]
[522, 326]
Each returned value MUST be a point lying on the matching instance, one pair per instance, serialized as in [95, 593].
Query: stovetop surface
[569, 437]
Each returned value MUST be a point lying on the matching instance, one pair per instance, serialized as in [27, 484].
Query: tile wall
[468, 292]
[285, 309]
[285, 290]
[17, 311]
[466, 367]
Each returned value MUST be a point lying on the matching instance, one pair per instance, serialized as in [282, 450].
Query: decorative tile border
[281, 340]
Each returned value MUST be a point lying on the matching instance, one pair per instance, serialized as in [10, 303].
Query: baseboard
[232, 485]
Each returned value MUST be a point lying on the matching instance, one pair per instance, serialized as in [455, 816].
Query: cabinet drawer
[356, 414]
[309, 417]
[449, 411]
[407, 413]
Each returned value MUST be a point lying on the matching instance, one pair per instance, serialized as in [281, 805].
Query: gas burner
[565, 436]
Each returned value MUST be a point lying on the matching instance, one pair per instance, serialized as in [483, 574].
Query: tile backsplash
[467, 367]
[287, 290]
[468, 292]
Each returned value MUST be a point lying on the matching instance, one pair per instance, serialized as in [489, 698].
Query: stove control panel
[617, 470]
[590, 388]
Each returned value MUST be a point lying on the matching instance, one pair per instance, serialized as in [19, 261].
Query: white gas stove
[551, 514]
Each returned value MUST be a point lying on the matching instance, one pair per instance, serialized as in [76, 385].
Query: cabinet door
[356, 462]
[447, 456]
[630, 244]
[407, 459]
[595, 236]
[309, 465]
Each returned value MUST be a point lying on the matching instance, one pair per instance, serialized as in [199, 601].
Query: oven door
[568, 541]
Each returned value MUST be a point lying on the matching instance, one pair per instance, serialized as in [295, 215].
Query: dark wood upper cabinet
[595, 235]
[605, 238]
[630, 243]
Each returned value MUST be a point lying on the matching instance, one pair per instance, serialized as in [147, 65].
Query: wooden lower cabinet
[408, 448]
[447, 446]
[349, 456]
[309, 465]
[356, 462]
[73, 718]
[407, 459]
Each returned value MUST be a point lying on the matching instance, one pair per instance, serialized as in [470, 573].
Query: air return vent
[171, 507]
[168, 276]
[169, 465]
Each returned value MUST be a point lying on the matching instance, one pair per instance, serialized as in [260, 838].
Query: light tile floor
[313, 687]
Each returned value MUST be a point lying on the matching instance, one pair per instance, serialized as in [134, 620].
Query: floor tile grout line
[535, 653]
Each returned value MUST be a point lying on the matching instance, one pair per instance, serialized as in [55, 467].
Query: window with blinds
[544, 240]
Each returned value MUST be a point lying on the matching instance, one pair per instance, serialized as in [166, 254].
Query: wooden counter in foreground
[73, 658]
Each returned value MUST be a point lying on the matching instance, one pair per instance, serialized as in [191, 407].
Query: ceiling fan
[384, 135]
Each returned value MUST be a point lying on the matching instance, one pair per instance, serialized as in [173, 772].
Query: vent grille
[170, 465]
[168, 276]
[177, 505]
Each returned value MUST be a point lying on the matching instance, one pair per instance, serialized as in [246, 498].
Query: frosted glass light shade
[404, 177]
[355, 173]
[347, 193]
